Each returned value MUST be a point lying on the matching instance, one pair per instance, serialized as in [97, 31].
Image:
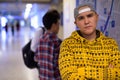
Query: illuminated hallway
[11, 62]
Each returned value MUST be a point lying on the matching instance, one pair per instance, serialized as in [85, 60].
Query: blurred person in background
[6, 27]
[48, 48]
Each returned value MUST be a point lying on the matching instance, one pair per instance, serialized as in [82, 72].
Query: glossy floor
[11, 62]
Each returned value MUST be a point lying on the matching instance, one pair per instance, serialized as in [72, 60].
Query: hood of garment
[77, 41]
[77, 36]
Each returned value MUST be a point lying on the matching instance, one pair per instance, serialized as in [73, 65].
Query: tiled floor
[11, 61]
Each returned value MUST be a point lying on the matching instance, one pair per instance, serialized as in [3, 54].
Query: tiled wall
[109, 14]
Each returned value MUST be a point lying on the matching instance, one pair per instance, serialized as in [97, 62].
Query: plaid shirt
[47, 57]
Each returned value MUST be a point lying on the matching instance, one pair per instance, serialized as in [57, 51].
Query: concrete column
[68, 17]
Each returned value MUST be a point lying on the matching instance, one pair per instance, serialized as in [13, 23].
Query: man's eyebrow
[90, 14]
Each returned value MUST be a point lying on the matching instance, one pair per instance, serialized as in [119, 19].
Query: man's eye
[90, 15]
[80, 18]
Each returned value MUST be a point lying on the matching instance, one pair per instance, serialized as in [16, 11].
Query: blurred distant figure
[6, 27]
[18, 26]
[12, 29]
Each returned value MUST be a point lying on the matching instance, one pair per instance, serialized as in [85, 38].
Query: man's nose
[86, 20]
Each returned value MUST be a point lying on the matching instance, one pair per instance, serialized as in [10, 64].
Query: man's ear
[74, 22]
[97, 17]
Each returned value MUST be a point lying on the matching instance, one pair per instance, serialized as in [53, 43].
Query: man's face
[87, 22]
[56, 27]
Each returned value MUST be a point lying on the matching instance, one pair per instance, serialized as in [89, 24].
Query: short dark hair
[51, 16]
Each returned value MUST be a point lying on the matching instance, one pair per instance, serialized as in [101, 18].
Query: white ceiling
[18, 8]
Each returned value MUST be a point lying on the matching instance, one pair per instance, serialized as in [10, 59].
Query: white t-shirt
[35, 39]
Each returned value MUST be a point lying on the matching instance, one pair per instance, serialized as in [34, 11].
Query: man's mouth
[86, 27]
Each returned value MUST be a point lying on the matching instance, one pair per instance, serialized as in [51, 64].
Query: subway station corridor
[11, 62]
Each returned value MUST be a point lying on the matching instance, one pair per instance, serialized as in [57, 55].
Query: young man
[48, 48]
[87, 54]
